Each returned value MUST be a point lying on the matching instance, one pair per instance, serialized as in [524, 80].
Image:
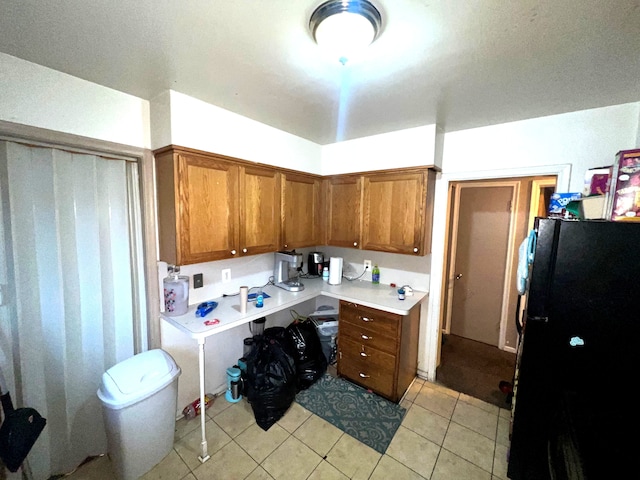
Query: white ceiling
[458, 63]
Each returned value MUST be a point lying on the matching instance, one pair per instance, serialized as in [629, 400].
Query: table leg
[204, 456]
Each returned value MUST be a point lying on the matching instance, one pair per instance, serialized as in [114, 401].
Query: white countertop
[382, 297]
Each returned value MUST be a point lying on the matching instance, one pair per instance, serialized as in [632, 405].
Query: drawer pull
[366, 337]
[364, 375]
[362, 354]
[366, 319]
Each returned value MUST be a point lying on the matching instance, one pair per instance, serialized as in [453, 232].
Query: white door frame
[431, 339]
[506, 285]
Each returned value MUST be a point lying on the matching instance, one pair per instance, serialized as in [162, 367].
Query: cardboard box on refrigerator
[623, 197]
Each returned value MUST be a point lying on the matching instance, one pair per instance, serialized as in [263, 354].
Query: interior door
[477, 272]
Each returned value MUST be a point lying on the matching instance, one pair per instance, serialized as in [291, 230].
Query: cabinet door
[395, 212]
[344, 211]
[259, 210]
[197, 214]
[301, 213]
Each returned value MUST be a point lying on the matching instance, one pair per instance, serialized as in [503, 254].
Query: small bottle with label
[375, 275]
[325, 274]
[260, 300]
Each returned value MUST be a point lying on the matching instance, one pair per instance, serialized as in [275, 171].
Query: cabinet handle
[244, 250]
[366, 319]
[415, 249]
[355, 244]
[286, 246]
[233, 252]
[364, 375]
[366, 337]
[362, 354]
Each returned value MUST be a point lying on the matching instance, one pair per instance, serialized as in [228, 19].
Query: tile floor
[444, 435]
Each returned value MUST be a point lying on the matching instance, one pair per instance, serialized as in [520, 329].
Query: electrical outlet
[226, 275]
[367, 265]
[197, 280]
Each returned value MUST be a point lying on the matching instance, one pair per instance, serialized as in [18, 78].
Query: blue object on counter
[260, 300]
[401, 294]
[253, 296]
[205, 308]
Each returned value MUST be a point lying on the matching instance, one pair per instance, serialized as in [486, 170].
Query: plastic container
[193, 409]
[139, 399]
[375, 275]
[176, 293]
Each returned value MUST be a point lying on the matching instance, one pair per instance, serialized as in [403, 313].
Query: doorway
[487, 220]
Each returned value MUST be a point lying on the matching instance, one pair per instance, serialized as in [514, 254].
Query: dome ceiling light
[345, 28]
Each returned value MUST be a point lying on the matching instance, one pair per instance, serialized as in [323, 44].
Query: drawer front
[383, 323]
[368, 337]
[368, 367]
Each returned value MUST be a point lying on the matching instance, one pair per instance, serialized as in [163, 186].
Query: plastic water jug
[176, 293]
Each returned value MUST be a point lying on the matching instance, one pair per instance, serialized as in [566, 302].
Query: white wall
[203, 126]
[403, 148]
[571, 142]
[41, 97]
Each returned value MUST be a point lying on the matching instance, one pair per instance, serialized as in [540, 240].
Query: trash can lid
[137, 378]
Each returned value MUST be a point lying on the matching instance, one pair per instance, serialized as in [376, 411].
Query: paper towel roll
[244, 296]
[335, 271]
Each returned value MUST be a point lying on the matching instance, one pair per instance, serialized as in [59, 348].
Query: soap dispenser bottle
[176, 292]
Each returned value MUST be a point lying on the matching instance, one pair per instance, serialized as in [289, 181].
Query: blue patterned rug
[364, 415]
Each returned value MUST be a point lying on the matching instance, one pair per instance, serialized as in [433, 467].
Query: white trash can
[139, 398]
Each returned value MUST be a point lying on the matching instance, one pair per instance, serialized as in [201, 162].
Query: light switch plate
[197, 280]
[226, 275]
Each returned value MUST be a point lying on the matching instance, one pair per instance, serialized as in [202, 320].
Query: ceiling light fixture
[345, 28]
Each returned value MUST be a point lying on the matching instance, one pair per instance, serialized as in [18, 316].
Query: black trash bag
[311, 362]
[271, 383]
[19, 431]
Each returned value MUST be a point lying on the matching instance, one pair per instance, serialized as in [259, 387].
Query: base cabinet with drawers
[378, 350]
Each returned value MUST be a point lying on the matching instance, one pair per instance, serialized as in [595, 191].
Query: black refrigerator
[574, 409]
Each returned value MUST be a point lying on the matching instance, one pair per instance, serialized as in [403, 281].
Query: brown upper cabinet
[211, 207]
[343, 207]
[397, 209]
[301, 210]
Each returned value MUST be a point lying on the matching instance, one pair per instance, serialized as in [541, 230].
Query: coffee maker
[286, 261]
[315, 264]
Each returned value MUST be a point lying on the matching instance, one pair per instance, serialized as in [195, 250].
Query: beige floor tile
[259, 474]
[219, 404]
[188, 447]
[500, 462]
[229, 462]
[326, 471]
[426, 423]
[318, 434]
[502, 437]
[388, 468]
[353, 458]
[236, 419]
[450, 466]
[476, 402]
[170, 468]
[259, 443]
[413, 451]
[442, 389]
[295, 416]
[477, 419]
[470, 445]
[184, 426]
[292, 460]
[413, 390]
[190, 476]
[437, 400]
